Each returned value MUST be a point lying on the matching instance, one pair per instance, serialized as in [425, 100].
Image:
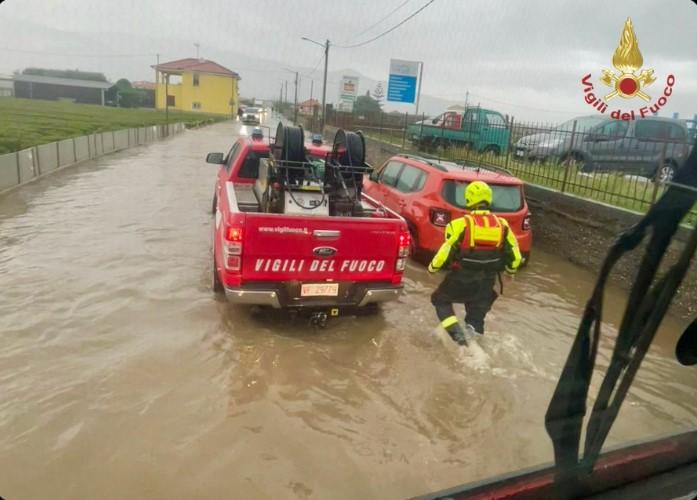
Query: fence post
[58, 155]
[510, 141]
[567, 163]
[19, 175]
[404, 134]
[421, 132]
[661, 162]
[113, 139]
[74, 151]
[37, 165]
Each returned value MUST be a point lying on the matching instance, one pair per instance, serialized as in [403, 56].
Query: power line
[389, 30]
[381, 20]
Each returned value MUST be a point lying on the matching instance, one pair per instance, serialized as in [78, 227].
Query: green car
[480, 129]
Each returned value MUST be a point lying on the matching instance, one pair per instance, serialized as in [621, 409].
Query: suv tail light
[526, 223]
[403, 251]
[440, 217]
[232, 249]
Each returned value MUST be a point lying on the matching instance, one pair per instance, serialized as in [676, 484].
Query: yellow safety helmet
[476, 193]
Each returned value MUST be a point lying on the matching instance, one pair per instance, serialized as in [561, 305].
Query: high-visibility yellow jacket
[479, 240]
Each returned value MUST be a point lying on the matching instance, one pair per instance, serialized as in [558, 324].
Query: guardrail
[28, 164]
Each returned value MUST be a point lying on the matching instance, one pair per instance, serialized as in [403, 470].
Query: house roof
[68, 82]
[310, 102]
[193, 64]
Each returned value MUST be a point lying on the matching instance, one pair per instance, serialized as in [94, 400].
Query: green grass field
[27, 122]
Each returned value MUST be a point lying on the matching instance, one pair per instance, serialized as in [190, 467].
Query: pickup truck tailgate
[286, 248]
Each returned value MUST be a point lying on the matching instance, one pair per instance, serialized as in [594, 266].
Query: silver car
[555, 143]
[251, 115]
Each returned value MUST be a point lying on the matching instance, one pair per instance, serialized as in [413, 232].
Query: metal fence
[23, 166]
[622, 163]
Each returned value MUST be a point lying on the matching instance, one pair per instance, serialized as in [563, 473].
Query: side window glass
[420, 182]
[677, 133]
[390, 174]
[650, 130]
[615, 129]
[407, 179]
[232, 156]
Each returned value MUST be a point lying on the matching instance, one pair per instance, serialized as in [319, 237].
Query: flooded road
[122, 376]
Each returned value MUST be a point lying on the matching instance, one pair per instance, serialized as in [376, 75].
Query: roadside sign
[401, 86]
[348, 92]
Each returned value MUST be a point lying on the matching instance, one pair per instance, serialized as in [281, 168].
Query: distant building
[7, 86]
[308, 107]
[49, 84]
[197, 85]
[144, 85]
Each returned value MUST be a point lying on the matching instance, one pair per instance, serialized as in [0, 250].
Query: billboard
[348, 91]
[401, 86]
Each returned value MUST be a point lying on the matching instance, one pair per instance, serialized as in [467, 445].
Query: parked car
[556, 143]
[652, 147]
[251, 116]
[295, 245]
[480, 129]
[429, 194]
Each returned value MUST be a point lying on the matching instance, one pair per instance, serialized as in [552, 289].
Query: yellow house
[197, 85]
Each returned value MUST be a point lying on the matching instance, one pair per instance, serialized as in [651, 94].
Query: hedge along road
[122, 375]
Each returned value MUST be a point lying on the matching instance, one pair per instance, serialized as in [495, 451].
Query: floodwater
[122, 376]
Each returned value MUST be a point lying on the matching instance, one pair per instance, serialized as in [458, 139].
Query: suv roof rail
[491, 168]
[424, 159]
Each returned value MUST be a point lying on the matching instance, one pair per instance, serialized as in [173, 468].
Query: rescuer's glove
[432, 269]
[510, 271]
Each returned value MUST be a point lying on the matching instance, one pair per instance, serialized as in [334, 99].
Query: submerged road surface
[122, 376]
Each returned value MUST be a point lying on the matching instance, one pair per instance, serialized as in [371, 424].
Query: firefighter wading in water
[477, 248]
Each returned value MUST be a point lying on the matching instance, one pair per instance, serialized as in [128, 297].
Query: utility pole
[198, 46]
[167, 103]
[467, 97]
[157, 79]
[324, 87]
[295, 99]
[280, 98]
[325, 46]
[312, 84]
[286, 92]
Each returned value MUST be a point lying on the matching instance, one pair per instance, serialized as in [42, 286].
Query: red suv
[430, 193]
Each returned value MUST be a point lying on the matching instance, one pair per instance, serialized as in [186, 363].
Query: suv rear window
[506, 198]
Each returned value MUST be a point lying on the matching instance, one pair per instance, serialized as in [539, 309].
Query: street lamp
[295, 99]
[325, 45]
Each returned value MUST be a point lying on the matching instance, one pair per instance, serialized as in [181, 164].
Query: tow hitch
[318, 319]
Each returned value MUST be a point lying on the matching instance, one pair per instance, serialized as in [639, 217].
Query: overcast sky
[524, 58]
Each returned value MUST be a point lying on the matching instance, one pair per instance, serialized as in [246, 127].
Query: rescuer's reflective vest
[479, 240]
[481, 243]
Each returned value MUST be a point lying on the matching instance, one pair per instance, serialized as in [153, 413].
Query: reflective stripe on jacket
[476, 238]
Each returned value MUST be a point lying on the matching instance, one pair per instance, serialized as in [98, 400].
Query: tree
[366, 105]
[379, 93]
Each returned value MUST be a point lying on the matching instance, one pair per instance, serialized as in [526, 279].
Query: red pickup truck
[297, 240]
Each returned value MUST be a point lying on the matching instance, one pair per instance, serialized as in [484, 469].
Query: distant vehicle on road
[555, 143]
[252, 115]
[286, 237]
[652, 147]
[429, 194]
[480, 129]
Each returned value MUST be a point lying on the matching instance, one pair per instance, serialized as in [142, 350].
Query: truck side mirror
[374, 176]
[215, 158]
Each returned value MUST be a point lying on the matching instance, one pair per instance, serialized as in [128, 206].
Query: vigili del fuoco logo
[627, 82]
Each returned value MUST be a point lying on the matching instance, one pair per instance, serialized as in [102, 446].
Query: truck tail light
[526, 223]
[440, 217]
[232, 249]
[404, 243]
[403, 252]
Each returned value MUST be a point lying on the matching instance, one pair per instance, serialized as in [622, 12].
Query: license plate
[519, 153]
[319, 290]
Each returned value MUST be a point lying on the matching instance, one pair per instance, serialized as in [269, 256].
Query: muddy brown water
[122, 376]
